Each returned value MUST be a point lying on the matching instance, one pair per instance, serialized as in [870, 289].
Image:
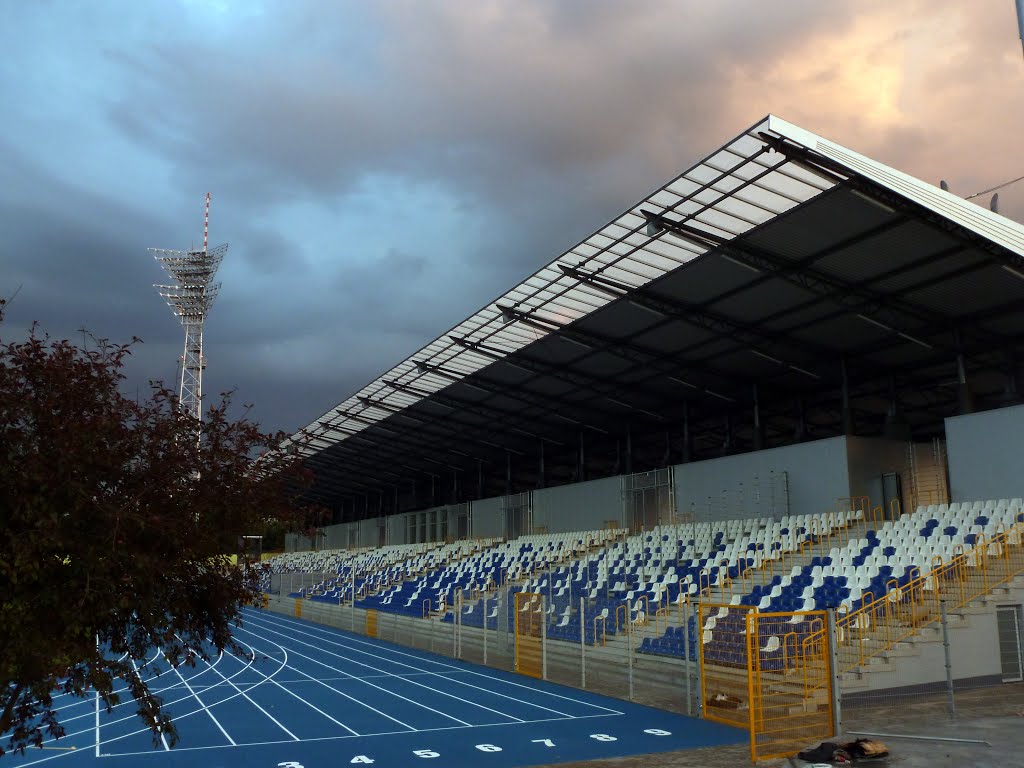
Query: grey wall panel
[336, 536]
[295, 542]
[397, 529]
[369, 532]
[486, 518]
[984, 451]
[579, 507]
[870, 458]
[742, 486]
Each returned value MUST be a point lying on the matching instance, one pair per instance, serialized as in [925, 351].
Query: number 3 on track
[289, 764]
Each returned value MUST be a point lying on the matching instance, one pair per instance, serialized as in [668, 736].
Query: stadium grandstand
[750, 451]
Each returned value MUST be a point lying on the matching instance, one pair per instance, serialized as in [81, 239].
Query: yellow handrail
[902, 611]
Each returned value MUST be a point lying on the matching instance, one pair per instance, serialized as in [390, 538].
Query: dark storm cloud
[383, 170]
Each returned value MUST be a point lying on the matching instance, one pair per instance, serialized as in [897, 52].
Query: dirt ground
[994, 715]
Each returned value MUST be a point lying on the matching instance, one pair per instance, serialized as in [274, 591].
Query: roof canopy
[781, 289]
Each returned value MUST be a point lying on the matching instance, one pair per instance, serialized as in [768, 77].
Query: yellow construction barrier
[760, 673]
[371, 622]
[528, 628]
[298, 607]
[790, 682]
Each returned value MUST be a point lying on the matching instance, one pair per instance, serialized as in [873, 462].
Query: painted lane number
[430, 753]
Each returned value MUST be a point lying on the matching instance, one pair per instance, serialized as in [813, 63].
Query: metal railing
[887, 619]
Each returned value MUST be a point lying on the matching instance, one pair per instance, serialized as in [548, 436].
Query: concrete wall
[747, 485]
[295, 542]
[578, 507]
[486, 518]
[984, 452]
[397, 528]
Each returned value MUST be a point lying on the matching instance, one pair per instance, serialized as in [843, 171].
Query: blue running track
[317, 697]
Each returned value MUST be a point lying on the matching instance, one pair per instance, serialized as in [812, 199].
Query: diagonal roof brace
[667, 364]
[856, 299]
[883, 197]
[694, 314]
[456, 404]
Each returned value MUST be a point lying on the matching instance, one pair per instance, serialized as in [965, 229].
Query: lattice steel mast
[190, 297]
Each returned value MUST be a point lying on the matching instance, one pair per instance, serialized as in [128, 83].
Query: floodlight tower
[190, 297]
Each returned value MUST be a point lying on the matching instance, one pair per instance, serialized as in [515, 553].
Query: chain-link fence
[621, 649]
[913, 638]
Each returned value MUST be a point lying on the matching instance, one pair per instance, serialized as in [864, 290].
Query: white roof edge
[992, 226]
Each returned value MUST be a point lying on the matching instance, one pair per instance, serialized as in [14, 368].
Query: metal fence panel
[790, 682]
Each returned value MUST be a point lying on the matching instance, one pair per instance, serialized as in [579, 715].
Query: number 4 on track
[362, 760]
[545, 742]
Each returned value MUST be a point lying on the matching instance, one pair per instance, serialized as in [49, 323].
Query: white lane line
[177, 718]
[122, 719]
[532, 704]
[451, 679]
[250, 700]
[127, 697]
[204, 706]
[322, 683]
[382, 733]
[162, 737]
[321, 649]
[379, 648]
[268, 679]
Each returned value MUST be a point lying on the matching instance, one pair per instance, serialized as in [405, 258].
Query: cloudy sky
[383, 169]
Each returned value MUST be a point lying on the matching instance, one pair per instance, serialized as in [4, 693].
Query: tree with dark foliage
[116, 524]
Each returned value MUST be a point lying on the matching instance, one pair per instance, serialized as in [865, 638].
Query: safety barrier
[758, 672]
[790, 682]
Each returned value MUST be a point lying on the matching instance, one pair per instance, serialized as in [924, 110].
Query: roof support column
[629, 450]
[687, 437]
[1010, 393]
[541, 474]
[800, 433]
[727, 444]
[582, 459]
[965, 398]
[508, 472]
[846, 412]
[479, 478]
[896, 427]
[758, 427]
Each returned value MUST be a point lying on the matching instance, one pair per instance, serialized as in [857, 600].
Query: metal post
[833, 652]
[486, 619]
[700, 664]
[458, 626]
[583, 643]
[543, 639]
[949, 664]
[686, 655]
[629, 649]
[353, 612]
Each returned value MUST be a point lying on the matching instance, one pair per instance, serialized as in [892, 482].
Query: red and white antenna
[206, 224]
